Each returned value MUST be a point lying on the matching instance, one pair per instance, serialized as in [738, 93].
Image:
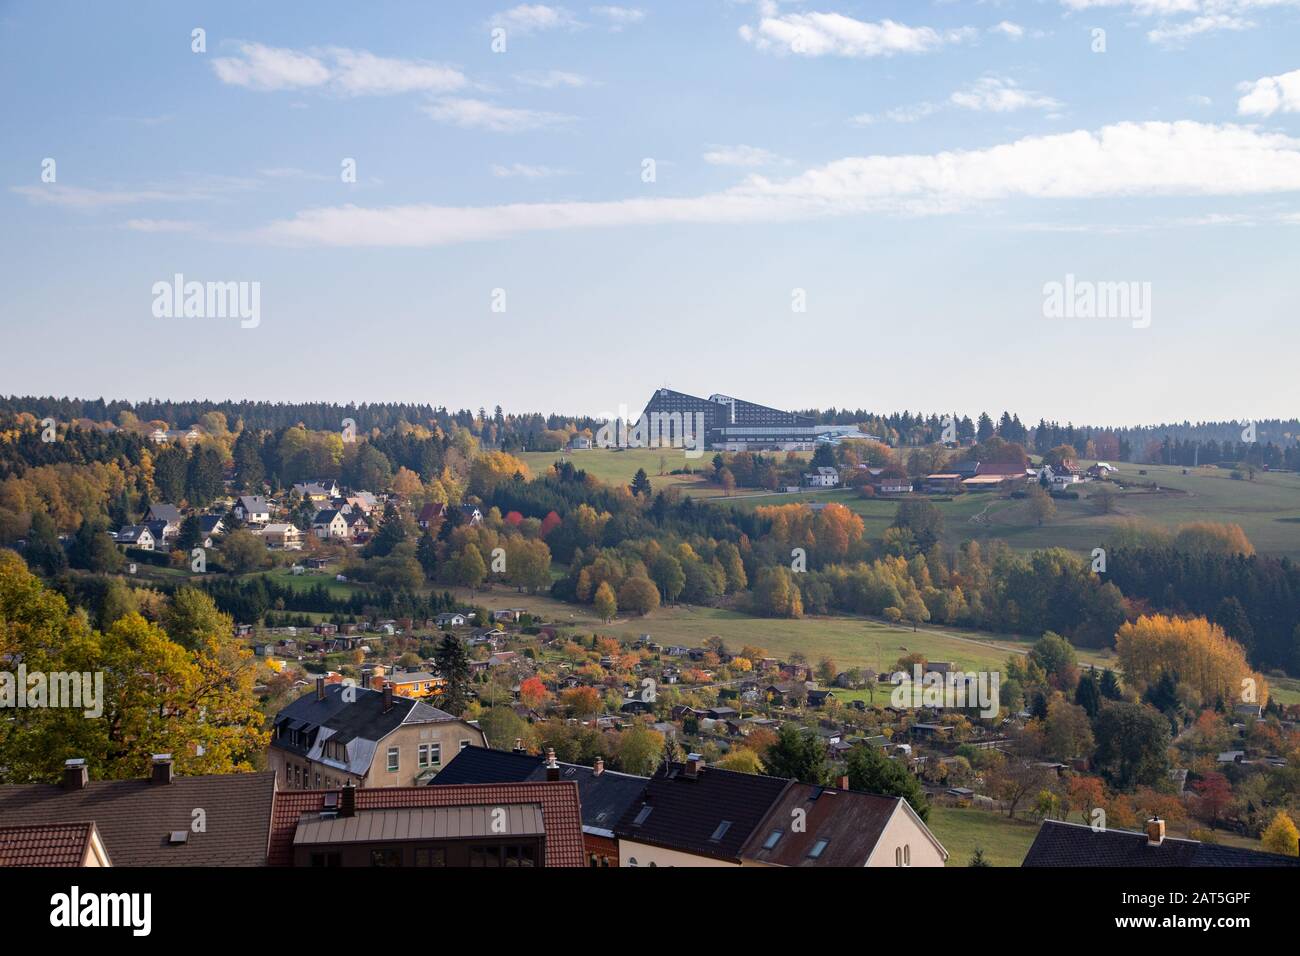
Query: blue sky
[915, 173]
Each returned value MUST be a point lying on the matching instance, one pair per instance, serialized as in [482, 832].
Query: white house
[329, 524]
[252, 509]
[282, 536]
[822, 478]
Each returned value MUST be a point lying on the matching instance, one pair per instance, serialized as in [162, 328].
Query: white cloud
[833, 34]
[1174, 33]
[360, 73]
[533, 18]
[998, 94]
[1271, 94]
[84, 199]
[480, 114]
[619, 17]
[551, 79]
[899, 114]
[525, 171]
[1125, 159]
[1013, 30]
[271, 68]
[742, 155]
[349, 72]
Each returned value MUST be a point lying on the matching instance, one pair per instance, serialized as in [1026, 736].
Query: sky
[1084, 210]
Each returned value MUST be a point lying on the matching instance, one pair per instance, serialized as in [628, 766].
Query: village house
[252, 509]
[369, 738]
[329, 525]
[136, 536]
[286, 537]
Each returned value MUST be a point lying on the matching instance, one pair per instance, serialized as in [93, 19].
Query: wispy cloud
[834, 34]
[619, 18]
[1271, 94]
[525, 171]
[1151, 159]
[743, 156]
[1175, 33]
[470, 113]
[1000, 94]
[162, 225]
[338, 69]
[89, 199]
[552, 79]
[534, 18]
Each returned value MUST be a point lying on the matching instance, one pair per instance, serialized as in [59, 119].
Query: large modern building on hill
[729, 424]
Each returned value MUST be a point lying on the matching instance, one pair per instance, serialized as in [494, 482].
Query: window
[385, 857]
[898, 856]
[431, 856]
[327, 859]
[720, 832]
[318, 781]
[772, 839]
[818, 849]
[392, 758]
[430, 755]
[641, 816]
[631, 861]
[907, 854]
[519, 856]
[464, 744]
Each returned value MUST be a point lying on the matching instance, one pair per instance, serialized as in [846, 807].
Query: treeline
[254, 598]
[522, 431]
[1255, 599]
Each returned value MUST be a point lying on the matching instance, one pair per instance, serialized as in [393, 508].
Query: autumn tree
[604, 602]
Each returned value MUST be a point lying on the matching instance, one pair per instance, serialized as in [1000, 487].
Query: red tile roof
[55, 844]
[561, 813]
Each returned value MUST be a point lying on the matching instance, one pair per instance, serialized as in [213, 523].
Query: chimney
[599, 768]
[842, 782]
[694, 764]
[74, 774]
[552, 767]
[1155, 831]
[388, 697]
[348, 800]
[320, 688]
[519, 746]
[162, 769]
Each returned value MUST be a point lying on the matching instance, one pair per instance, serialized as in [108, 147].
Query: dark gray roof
[358, 725]
[135, 817]
[1074, 844]
[164, 512]
[687, 813]
[605, 797]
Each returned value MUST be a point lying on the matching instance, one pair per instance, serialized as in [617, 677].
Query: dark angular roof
[1073, 844]
[160, 511]
[605, 796]
[50, 844]
[135, 817]
[687, 812]
[850, 821]
[364, 719]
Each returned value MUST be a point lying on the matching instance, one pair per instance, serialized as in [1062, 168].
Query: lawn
[1268, 510]
[1003, 840]
[849, 641]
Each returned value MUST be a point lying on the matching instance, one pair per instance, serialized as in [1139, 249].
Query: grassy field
[617, 466]
[1268, 508]
[961, 829]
